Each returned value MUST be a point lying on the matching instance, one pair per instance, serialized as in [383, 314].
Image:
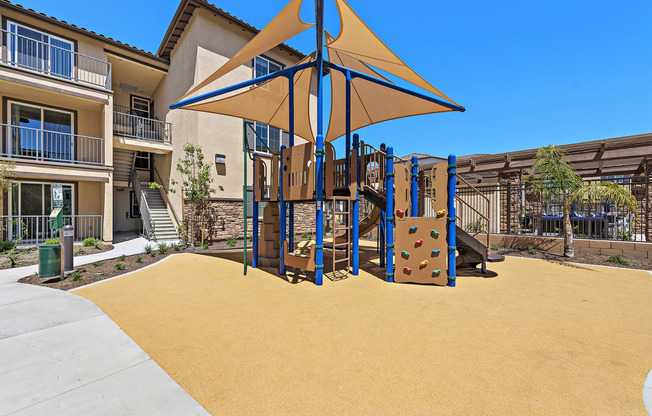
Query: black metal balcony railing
[50, 146]
[127, 124]
[45, 58]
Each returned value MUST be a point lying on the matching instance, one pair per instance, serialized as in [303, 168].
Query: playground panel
[298, 170]
[421, 251]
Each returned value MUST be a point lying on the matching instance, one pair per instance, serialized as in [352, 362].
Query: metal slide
[366, 225]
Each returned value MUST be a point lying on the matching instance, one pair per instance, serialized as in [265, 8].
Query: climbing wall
[421, 250]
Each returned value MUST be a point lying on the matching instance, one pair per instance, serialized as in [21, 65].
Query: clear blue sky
[529, 73]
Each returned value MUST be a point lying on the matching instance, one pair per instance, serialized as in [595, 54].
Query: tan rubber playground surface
[539, 339]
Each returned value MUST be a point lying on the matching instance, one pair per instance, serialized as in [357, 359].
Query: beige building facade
[92, 113]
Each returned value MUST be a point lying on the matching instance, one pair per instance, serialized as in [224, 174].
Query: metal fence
[518, 210]
[54, 60]
[34, 229]
[45, 145]
[127, 123]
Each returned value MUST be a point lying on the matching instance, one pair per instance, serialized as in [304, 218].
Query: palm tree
[555, 179]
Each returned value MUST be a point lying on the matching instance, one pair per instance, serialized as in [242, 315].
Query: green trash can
[49, 260]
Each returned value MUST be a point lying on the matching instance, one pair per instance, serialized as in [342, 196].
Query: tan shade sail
[285, 25]
[357, 40]
[269, 103]
[370, 103]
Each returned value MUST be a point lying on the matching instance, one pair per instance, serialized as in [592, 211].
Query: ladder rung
[341, 244]
[340, 260]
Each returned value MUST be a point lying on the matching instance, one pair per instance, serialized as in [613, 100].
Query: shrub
[206, 246]
[618, 259]
[79, 251]
[91, 242]
[96, 263]
[162, 247]
[139, 259]
[120, 266]
[149, 250]
[532, 251]
[496, 248]
[7, 245]
[306, 235]
[76, 276]
[475, 226]
[230, 241]
[52, 241]
[12, 257]
[122, 258]
[176, 246]
[197, 243]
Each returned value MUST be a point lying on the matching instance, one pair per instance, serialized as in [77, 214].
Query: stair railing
[146, 217]
[164, 193]
[487, 217]
[372, 167]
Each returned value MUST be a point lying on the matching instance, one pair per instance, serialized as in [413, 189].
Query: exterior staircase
[162, 228]
[122, 163]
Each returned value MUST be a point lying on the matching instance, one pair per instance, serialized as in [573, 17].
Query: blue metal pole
[348, 123]
[319, 151]
[216, 93]
[414, 197]
[355, 231]
[254, 220]
[281, 264]
[389, 232]
[452, 164]
[383, 215]
[291, 143]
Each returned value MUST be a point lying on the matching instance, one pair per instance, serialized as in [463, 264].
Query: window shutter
[285, 139]
[251, 136]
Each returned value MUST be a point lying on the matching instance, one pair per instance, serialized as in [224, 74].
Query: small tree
[556, 180]
[7, 174]
[196, 179]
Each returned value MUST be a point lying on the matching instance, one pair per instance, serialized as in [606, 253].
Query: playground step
[377, 198]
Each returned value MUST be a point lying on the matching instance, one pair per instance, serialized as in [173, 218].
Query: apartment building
[92, 113]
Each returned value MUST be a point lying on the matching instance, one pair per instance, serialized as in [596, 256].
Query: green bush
[7, 245]
[618, 259]
[197, 243]
[231, 241]
[176, 246]
[12, 257]
[496, 248]
[306, 235]
[120, 266]
[91, 242]
[149, 250]
[76, 276]
[162, 247]
[96, 263]
[139, 259]
[532, 251]
[52, 241]
[79, 251]
[475, 226]
[122, 258]
[206, 246]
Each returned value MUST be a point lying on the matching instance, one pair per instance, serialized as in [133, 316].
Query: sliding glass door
[30, 206]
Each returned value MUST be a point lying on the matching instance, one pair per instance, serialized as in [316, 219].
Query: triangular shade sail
[370, 103]
[357, 40]
[269, 103]
[285, 25]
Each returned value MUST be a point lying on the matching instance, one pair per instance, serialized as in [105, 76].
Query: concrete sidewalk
[60, 354]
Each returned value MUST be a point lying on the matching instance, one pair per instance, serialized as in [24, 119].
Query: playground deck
[542, 338]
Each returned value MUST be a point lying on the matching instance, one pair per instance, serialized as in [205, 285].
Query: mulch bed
[29, 255]
[594, 259]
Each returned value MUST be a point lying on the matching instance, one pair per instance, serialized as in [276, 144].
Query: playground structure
[310, 172]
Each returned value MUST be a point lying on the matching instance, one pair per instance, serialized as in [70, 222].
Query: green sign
[57, 195]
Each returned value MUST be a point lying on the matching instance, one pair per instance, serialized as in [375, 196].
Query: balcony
[127, 124]
[51, 146]
[34, 229]
[54, 59]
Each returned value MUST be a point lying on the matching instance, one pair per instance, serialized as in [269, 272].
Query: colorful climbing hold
[407, 270]
[405, 253]
[441, 213]
[436, 272]
[423, 264]
[400, 212]
[418, 242]
[435, 252]
[434, 233]
[413, 229]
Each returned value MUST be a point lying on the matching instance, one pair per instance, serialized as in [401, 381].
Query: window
[268, 136]
[40, 133]
[134, 210]
[141, 106]
[32, 49]
[142, 160]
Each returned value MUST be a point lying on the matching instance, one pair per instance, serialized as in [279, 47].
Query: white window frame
[143, 100]
[264, 150]
[13, 57]
[136, 156]
[43, 208]
[10, 138]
